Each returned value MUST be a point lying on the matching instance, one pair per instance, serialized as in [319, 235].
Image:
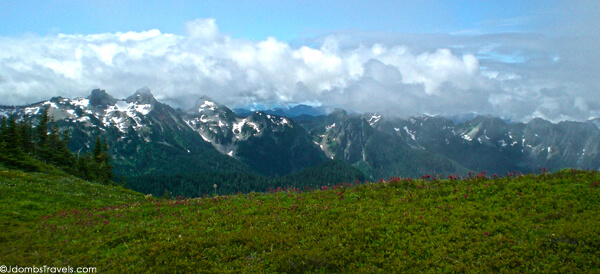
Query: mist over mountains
[149, 137]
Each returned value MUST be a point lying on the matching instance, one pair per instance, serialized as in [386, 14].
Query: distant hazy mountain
[290, 112]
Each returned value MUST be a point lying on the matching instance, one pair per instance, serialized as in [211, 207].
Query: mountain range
[148, 137]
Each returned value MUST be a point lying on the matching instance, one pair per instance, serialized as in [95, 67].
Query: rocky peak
[142, 96]
[207, 108]
[99, 98]
[204, 104]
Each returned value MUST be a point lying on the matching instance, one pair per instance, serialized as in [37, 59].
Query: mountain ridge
[212, 136]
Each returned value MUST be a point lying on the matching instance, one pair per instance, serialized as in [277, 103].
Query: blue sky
[515, 59]
[256, 20]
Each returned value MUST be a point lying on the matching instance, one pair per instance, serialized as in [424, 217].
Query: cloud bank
[517, 76]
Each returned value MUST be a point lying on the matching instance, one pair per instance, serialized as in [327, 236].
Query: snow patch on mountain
[374, 119]
[412, 136]
[32, 110]
[207, 105]
[237, 127]
[83, 119]
[80, 102]
[328, 128]
[143, 109]
[254, 126]
[122, 115]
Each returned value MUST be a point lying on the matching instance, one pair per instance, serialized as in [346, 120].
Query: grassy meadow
[514, 223]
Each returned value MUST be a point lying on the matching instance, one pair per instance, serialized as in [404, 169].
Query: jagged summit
[205, 98]
[142, 96]
[203, 104]
[99, 98]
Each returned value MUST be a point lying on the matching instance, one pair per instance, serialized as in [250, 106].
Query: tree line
[38, 148]
[199, 184]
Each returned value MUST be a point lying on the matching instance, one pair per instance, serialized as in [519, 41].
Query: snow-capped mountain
[147, 136]
[362, 141]
[482, 143]
[98, 111]
[144, 134]
[261, 140]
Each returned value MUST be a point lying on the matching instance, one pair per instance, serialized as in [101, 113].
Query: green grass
[26, 197]
[544, 223]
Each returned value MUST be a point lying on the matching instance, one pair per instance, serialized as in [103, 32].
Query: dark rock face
[99, 98]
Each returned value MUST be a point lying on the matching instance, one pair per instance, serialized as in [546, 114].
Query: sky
[514, 59]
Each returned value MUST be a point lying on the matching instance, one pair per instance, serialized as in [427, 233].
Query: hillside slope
[526, 223]
[27, 198]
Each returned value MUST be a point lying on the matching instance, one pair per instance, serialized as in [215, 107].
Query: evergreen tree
[41, 137]
[25, 134]
[83, 167]
[12, 146]
[61, 154]
[3, 144]
[2, 127]
[12, 138]
[42, 129]
[23, 146]
[102, 165]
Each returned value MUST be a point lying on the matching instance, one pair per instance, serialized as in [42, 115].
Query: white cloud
[203, 29]
[436, 74]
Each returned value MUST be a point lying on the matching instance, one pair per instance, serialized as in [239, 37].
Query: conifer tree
[103, 168]
[61, 155]
[25, 134]
[84, 168]
[3, 144]
[22, 143]
[42, 129]
[13, 140]
[2, 127]
[41, 137]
